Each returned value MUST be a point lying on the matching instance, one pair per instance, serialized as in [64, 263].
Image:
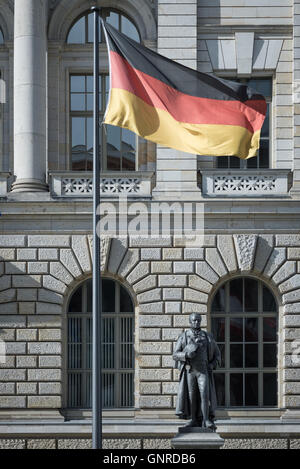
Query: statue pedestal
[196, 438]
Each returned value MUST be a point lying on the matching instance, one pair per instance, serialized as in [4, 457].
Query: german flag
[178, 107]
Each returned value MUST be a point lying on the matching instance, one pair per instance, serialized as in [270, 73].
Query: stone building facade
[251, 227]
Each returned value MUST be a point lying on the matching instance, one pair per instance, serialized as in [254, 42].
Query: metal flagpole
[97, 296]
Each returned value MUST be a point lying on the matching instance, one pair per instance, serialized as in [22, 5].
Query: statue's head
[195, 320]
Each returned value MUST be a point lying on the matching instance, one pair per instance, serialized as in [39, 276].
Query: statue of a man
[196, 354]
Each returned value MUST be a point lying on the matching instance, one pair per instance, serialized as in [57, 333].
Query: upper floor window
[119, 145]
[117, 356]
[244, 323]
[82, 31]
[264, 87]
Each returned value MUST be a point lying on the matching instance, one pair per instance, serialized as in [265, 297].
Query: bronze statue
[196, 354]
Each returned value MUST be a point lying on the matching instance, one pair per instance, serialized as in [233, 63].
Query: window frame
[105, 13]
[270, 101]
[103, 131]
[117, 371]
[260, 369]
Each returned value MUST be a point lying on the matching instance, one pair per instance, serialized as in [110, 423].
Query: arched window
[244, 317]
[119, 145]
[82, 31]
[117, 346]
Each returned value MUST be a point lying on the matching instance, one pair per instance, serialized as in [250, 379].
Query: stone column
[30, 53]
[176, 171]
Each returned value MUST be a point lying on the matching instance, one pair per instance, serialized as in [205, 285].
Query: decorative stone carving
[104, 250]
[245, 246]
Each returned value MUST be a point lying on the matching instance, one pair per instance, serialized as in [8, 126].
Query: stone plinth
[196, 438]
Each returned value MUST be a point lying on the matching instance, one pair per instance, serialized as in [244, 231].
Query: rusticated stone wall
[168, 281]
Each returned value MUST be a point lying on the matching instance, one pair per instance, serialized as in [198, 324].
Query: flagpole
[97, 296]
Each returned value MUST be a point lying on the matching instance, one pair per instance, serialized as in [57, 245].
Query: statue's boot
[193, 423]
[209, 424]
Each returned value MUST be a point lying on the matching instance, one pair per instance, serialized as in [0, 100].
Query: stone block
[27, 335]
[26, 362]
[193, 254]
[50, 388]
[15, 268]
[167, 361]
[188, 307]
[150, 334]
[214, 259]
[12, 375]
[171, 334]
[59, 241]
[12, 241]
[172, 280]
[172, 254]
[199, 283]
[44, 375]
[147, 402]
[157, 307]
[41, 443]
[292, 401]
[26, 281]
[161, 267]
[48, 402]
[291, 388]
[147, 283]
[276, 259]
[151, 295]
[130, 260]
[294, 253]
[26, 254]
[7, 254]
[195, 295]
[37, 267]
[263, 251]
[7, 296]
[82, 253]
[27, 307]
[48, 254]
[155, 375]
[150, 254]
[27, 294]
[27, 388]
[15, 348]
[290, 284]
[49, 361]
[226, 248]
[286, 270]
[44, 321]
[245, 247]
[12, 321]
[151, 320]
[149, 361]
[181, 320]
[122, 443]
[255, 443]
[291, 320]
[49, 334]
[140, 271]
[9, 362]
[173, 307]
[292, 308]
[183, 267]
[150, 241]
[170, 388]
[5, 282]
[8, 308]
[117, 252]
[7, 388]
[157, 443]
[172, 294]
[12, 402]
[206, 272]
[155, 347]
[53, 284]
[48, 308]
[44, 348]
[48, 296]
[67, 258]
[288, 240]
[58, 271]
[74, 443]
[150, 388]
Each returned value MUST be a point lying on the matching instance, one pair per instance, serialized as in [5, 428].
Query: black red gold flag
[173, 105]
